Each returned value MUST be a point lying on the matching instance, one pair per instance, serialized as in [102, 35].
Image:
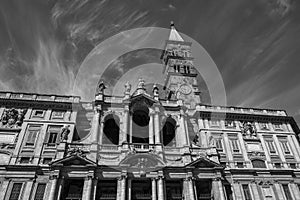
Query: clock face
[185, 89]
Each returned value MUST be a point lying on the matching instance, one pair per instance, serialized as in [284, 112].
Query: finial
[172, 24]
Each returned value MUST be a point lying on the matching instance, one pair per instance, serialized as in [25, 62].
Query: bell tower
[180, 74]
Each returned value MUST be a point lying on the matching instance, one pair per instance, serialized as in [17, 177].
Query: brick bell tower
[180, 75]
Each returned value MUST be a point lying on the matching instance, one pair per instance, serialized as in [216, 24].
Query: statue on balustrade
[127, 87]
[100, 88]
[248, 130]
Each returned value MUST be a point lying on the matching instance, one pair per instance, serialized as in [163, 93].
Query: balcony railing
[205, 196]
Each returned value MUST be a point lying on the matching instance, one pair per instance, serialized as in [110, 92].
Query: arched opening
[256, 163]
[169, 132]
[140, 125]
[111, 129]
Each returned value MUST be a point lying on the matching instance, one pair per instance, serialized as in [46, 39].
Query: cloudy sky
[255, 44]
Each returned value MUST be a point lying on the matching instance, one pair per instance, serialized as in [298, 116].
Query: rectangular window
[15, 192]
[25, 160]
[40, 190]
[53, 135]
[277, 165]
[52, 138]
[38, 113]
[287, 192]
[235, 146]
[271, 147]
[285, 147]
[58, 114]
[240, 165]
[247, 193]
[214, 123]
[278, 126]
[219, 144]
[293, 165]
[47, 160]
[263, 126]
[229, 124]
[32, 134]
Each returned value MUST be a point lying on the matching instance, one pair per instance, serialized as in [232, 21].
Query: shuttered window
[219, 144]
[32, 134]
[287, 192]
[271, 146]
[40, 190]
[285, 147]
[247, 193]
[235, 145]
[15, 192]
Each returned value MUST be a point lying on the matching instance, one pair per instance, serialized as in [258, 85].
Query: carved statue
[64, 133]
[211, 142]
[100, 88]
[196, 140]
[248, 129]
[127, 87]
[20, 117]
[141, 83]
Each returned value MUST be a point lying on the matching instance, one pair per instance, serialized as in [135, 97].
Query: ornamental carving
[76, 151]
[12, 118]
[248, 130]
[256, 155]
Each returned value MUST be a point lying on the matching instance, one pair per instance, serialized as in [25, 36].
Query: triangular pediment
[73, 160]
[203, 163]
[142, 100]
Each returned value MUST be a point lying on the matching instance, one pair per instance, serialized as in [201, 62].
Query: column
[101, 131]
[191, 188]
[53, 188]
[294, 190]
[244, 150]
[183, 131]
[160, 188]
[228, 150]
[60, 186]
[293, 147]
[280, 151]
[254, 189]
[129, 188]
[87, 188]
[151, 130]
[95, 184]
[156, 127]
[218, 189]
[122, 187]
[237, 191]
[278, 190]
[95, 126]
[153, 182]
[266, 150]
[3, 189]
[27, 190]
[125, 123]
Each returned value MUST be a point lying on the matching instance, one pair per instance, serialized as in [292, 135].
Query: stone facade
[141, 146]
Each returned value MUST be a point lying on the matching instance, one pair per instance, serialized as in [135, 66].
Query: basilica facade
[145, 146]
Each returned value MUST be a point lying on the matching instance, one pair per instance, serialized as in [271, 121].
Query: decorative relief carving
[256, 155]
[76, 151]
[12, 118]
[248, 130]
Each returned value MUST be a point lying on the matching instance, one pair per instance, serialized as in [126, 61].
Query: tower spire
[174, 35]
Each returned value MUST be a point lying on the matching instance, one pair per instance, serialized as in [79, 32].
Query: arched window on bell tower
[111, 129]
[169, 129]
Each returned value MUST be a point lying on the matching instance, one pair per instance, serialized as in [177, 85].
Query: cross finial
[172, 24]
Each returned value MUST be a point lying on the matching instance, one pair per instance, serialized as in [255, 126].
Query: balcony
[207, 196]
[141, 147]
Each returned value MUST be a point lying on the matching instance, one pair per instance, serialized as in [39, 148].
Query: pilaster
[53, 182]
[153, 184]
